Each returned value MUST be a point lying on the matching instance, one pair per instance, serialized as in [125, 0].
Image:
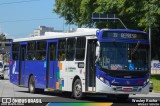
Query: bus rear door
[22, 59]
[51, 64]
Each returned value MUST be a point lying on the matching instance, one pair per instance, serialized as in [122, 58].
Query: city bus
[100, 61]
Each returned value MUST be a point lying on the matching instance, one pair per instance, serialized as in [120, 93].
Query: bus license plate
[127, 89]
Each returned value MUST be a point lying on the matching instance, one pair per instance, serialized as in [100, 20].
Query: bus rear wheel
[32, 85]
[77, 89]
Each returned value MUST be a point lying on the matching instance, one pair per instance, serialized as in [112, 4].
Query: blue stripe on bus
[52, 40]
[22, 43]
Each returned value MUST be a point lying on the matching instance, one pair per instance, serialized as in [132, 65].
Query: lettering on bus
[128, 35]
[124, 35]
[14, 68]
[70, 69]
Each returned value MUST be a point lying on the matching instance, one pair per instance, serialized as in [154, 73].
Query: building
[41, 30]
[5, 50]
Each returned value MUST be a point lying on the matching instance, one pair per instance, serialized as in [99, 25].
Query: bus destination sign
[124, 35]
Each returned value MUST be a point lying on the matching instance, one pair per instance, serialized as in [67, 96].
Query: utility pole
[149, 31]
[150, 47]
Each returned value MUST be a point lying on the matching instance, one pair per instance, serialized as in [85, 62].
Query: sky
[18, 18]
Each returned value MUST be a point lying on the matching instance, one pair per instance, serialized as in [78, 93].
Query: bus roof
[79, 32]
[51, 35]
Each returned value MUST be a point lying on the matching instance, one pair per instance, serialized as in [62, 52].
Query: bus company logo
[18, 101]
[10, 101]
[6, 100]
[14, 68]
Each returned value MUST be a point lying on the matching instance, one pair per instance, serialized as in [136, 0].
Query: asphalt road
[8, 89]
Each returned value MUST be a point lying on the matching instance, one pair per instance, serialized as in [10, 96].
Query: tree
[2, 37]
[136, 14]
[76, 12]
[69, 9]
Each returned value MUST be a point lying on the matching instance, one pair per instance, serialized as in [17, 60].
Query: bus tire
[32, 85]
[77, 89]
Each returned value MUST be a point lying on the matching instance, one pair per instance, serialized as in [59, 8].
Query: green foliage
[136, 14]
[2, 37]
[75, 11]
[156, 82]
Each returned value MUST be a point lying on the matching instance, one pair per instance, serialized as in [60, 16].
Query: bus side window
[52, 51]
[31, 50]
[15, 51]
[61, 49]
[80, 48]
[70, 54]
[41, 50]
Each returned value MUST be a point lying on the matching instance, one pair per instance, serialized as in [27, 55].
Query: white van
[1, 70]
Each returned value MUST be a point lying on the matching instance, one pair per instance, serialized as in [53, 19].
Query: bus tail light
[10, 62]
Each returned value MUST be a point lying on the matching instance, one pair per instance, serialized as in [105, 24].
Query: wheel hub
[78, 90]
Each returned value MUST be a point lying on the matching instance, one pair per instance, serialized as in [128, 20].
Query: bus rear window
[15, 51]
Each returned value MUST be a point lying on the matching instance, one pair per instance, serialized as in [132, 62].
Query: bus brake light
[10, 62]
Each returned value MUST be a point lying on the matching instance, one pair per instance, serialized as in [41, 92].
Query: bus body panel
[22, 78]
[68, 71]
[58, 82]
[52, 74]
[72, 70]
[14, 72]
[63, 75]
[38, 70]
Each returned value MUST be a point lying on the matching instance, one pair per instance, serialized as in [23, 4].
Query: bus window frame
[69, 50]
[42, 51]
[63, 49]
[32, 51]
[83, 42]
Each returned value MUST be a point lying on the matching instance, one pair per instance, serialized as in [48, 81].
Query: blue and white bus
[107, 61]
